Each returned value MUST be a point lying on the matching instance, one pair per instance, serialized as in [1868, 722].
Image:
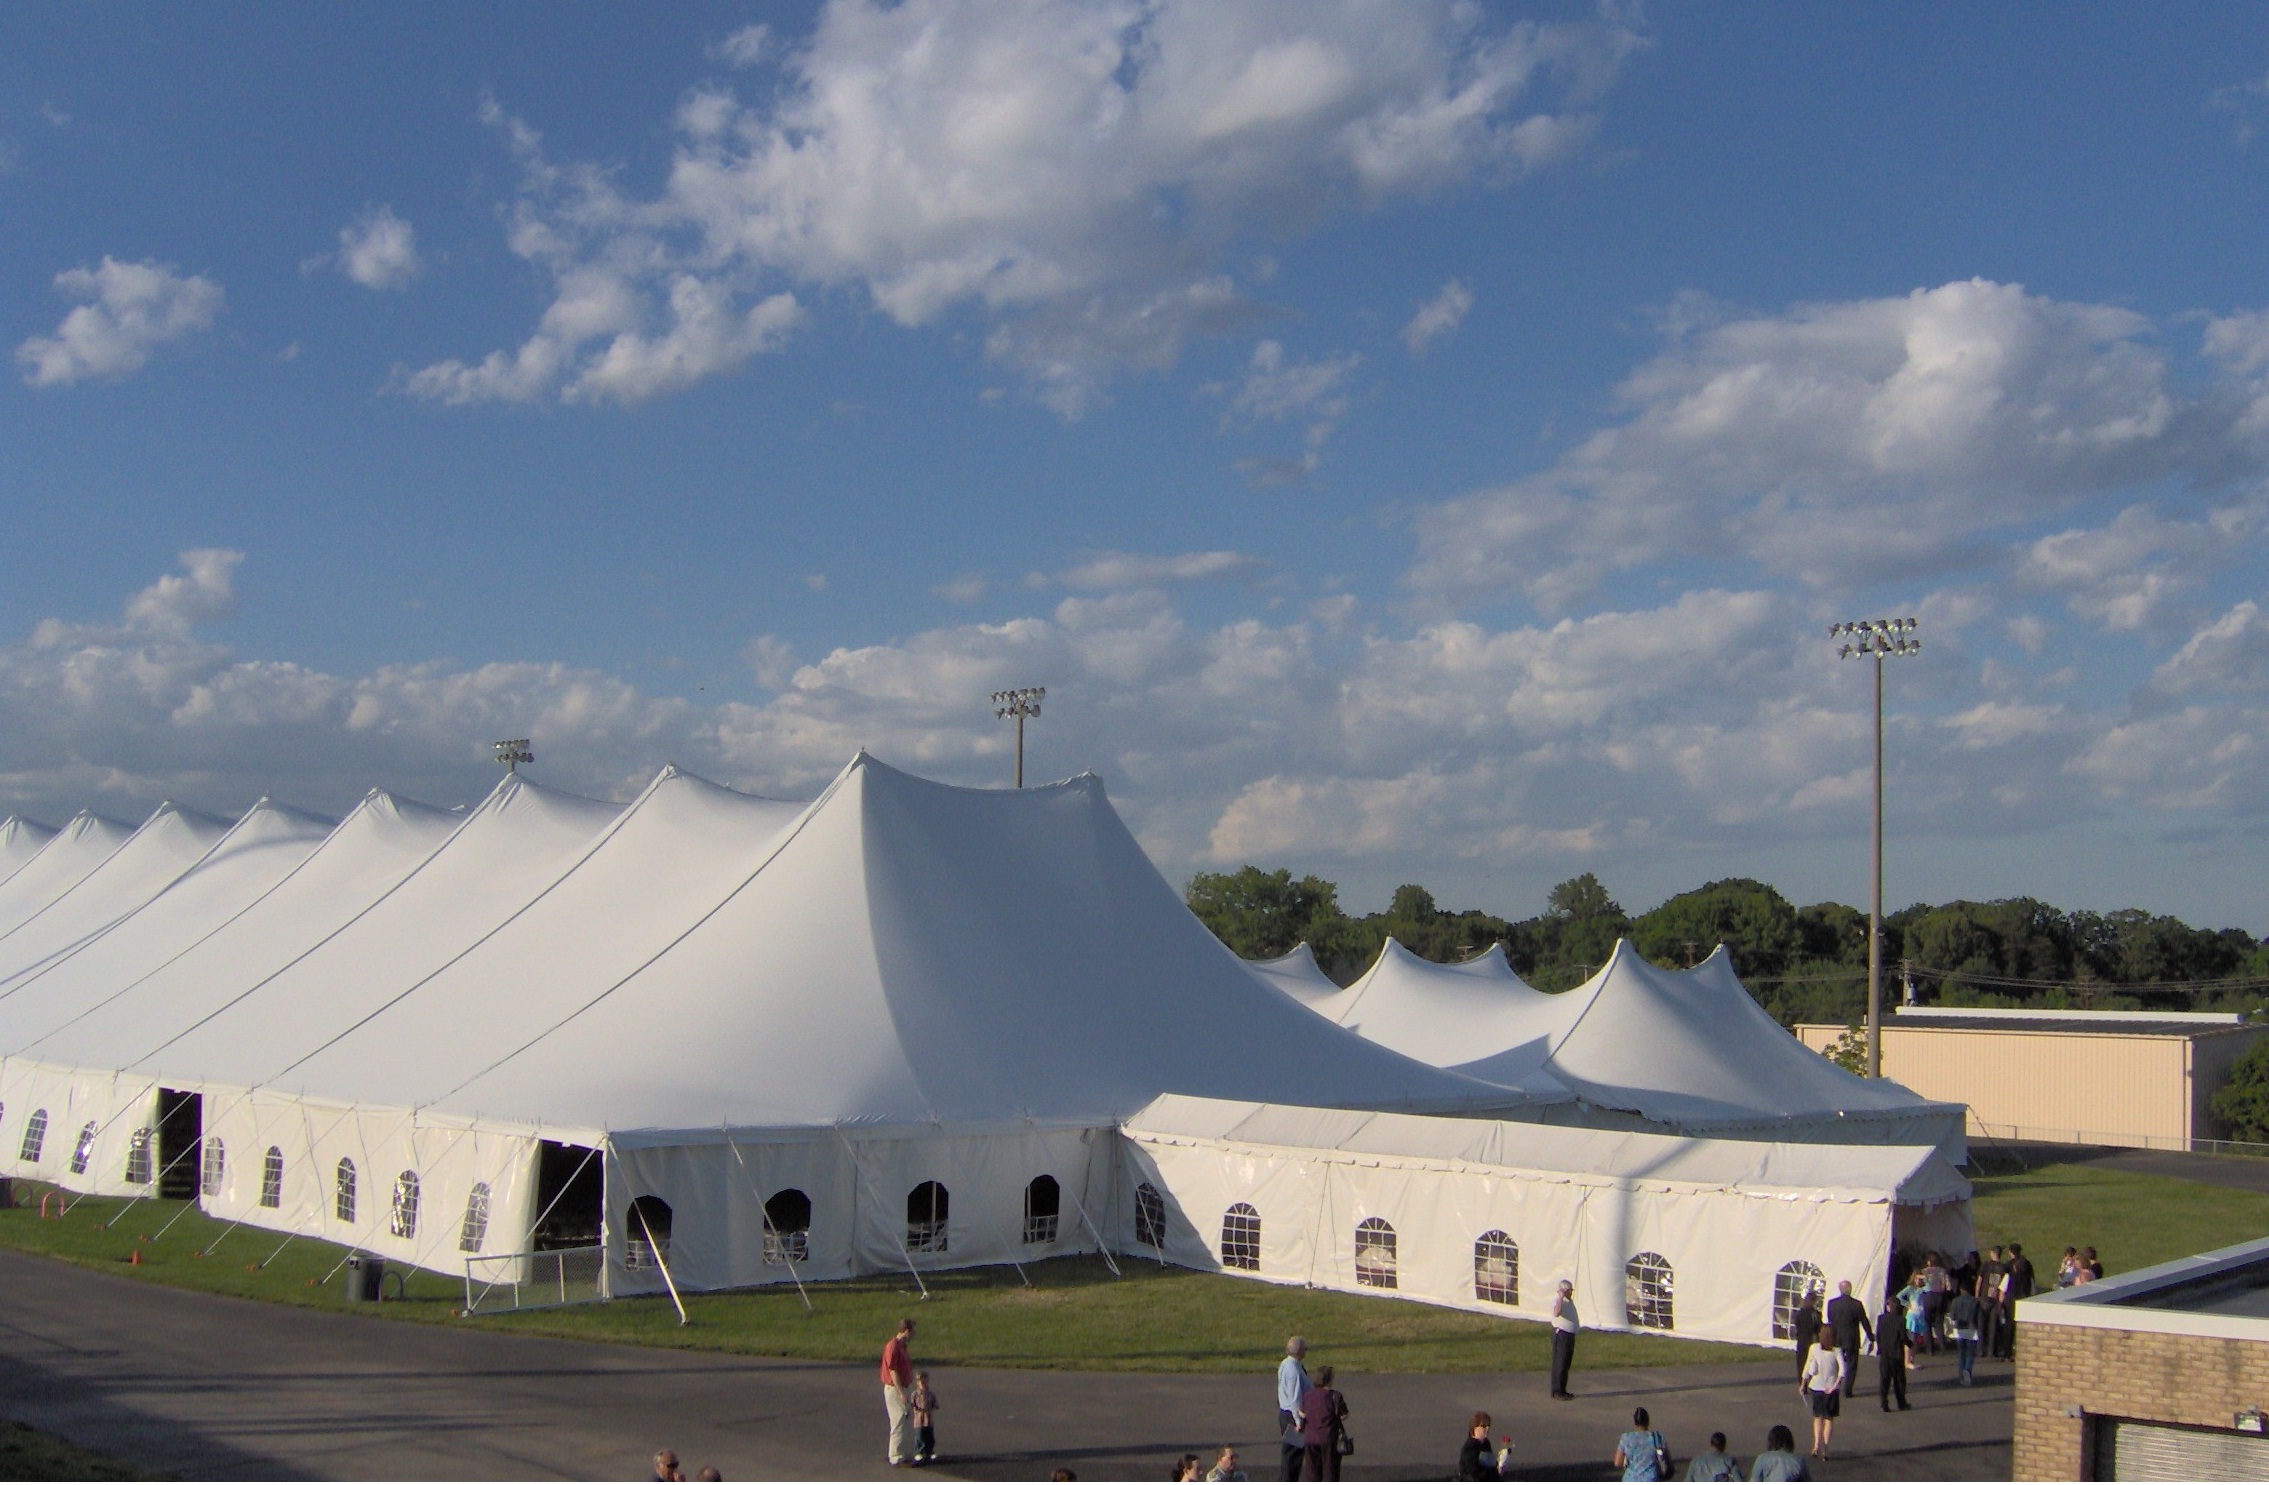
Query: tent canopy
[1297, 974]
[1451, 1014]
[152, 858]
[61, 864]
[896, 952]
[259, 851]
[20, 840]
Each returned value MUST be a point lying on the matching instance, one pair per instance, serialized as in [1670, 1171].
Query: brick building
[2162, 1374]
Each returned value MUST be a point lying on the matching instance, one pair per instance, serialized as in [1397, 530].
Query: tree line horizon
[1802, 964]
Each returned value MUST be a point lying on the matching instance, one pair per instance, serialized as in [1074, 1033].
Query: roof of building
[2094, 1023]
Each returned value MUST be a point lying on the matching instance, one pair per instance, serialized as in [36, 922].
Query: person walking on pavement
[1823, 1388]
[897, 1385]
[1847, 1319]
[1564, 1328]
[1291, 1383]
[1891, 1354]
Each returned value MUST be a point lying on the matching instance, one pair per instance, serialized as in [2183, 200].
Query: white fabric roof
[380, 843]
[259, 851]
[899, 951]
[519, 841]
[1297, 974]
[20, 840]
[78, 848]
[1448, 1014]
[1689, 1048]
[167, 844]
[1916, 1174]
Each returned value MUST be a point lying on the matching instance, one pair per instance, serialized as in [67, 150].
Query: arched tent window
[1497, 1269]
[138, 1159]
[344, 1201]
[475, 1230]
[787, 1227]
[1375, 1253]
[404, 1221]
[35, 1136]
[84, 1151]
[1791, 1284]
[926, 1210]
[272, 1178]
[215, 1173]
[1043, 1210]
[1241, 1238]
[1150, 1218]
[646, 1233]
[1647, 1286]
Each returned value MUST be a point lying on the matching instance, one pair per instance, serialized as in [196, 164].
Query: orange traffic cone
[137, 1256]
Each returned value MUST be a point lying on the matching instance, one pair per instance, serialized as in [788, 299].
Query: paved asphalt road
[203, 1386]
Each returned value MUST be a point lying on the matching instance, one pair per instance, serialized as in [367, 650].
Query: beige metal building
[2136, 1078]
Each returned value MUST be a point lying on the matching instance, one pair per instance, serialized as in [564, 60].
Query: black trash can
[365, 1273]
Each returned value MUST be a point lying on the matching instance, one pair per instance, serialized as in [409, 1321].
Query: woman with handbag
[1323, 1428]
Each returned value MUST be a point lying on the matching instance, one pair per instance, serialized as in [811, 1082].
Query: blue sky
[1408, 443]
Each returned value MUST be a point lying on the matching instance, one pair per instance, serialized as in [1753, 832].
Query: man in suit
[2016, 1284]
[1891, 1355]
[1847, 1317]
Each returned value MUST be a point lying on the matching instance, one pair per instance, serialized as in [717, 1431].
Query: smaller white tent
[1298, 975]
[1711, 1239]
[1452, 1015]
[20, 840]
[1691, 1051]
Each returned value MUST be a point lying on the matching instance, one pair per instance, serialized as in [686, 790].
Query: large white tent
[1298, 975]
[730, 999]
[1684, 1051]
[1714, 1239]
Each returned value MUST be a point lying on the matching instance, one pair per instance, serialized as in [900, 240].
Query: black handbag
[1344, 1444]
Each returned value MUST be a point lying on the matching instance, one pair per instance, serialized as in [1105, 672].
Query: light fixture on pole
[1021, 703]
[512, 752]
[1876, 639]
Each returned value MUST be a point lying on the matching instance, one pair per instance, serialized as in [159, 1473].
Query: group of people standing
[1311, 1418]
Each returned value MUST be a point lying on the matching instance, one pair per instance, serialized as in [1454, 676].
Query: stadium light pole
[1876, 639]
[1020, 703]
[512, 752]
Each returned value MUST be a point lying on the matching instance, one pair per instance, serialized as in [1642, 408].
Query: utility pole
[1876, 639]
[512, 752]
[1020, 703]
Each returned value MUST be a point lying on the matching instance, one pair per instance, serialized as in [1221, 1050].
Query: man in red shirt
[897, 1382]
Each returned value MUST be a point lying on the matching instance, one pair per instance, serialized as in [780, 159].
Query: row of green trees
[1802, 963]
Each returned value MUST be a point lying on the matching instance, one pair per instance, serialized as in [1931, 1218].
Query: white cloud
[966, 588]
[747, 46]
[2124, 574]
[1715, 720]
[1276, 388]
[1080, 174]
[2230, 653]
[379, 250]
[1835, 444]
[1108, 570]
[130, 309]
[1437, 317]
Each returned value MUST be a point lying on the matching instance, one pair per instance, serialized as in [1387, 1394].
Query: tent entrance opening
[181, 1129]
[570, 1197]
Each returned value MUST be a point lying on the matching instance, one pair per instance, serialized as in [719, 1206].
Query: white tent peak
[1297, 974]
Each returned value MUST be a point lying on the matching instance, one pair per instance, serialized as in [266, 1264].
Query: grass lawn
[1076, 1315]
[2132, 1221]
[28, 1454]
